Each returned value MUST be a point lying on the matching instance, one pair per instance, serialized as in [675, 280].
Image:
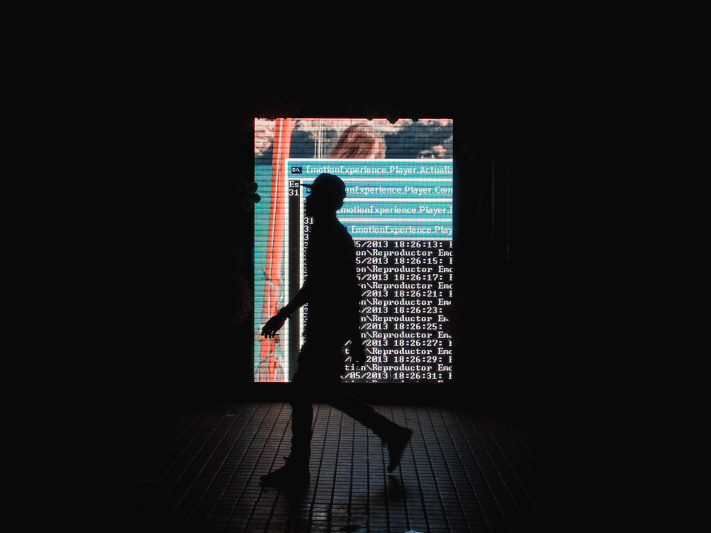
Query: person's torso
[331, 271]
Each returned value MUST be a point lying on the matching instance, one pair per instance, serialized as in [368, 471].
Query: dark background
[537, 248]
[556, 270]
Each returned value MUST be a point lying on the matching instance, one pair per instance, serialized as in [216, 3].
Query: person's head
[327, 194]
[359, 141]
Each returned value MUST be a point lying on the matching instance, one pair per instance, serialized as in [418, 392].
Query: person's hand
[273, 325]
[357, 353]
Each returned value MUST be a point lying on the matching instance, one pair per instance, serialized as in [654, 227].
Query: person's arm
[275, 323]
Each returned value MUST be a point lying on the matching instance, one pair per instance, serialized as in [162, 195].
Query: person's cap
[329, 185]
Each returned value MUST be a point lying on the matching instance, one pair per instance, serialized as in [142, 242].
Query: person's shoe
[292, 475]
[396, 443]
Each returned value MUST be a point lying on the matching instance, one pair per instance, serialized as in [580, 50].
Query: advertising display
[398, 210]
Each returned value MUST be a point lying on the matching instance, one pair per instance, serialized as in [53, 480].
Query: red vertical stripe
[276, 243]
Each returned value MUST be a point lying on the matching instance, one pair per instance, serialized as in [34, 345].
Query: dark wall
[527, 252]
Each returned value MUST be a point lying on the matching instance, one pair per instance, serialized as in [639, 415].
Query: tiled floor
[198, 469]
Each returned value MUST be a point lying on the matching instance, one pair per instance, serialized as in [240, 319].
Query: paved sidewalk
[198, 469]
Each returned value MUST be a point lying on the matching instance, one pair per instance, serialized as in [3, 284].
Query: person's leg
[327, 351]
[395, 437]
[357, 409]
[296, 471]
[302, 413]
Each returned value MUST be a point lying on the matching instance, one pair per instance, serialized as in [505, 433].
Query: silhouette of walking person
[333, 294]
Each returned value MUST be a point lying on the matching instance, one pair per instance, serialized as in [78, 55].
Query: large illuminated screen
[398, 210]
